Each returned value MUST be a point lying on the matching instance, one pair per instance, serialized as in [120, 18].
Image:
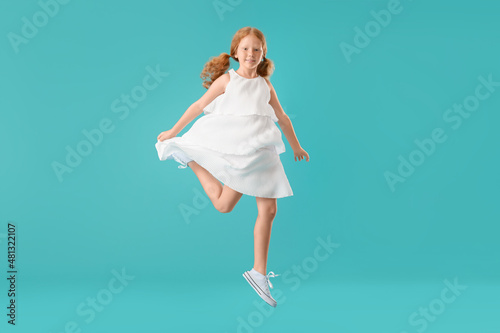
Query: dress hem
[183, 165]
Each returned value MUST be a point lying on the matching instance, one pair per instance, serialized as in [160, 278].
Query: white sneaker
[182, 158]
[260, 283]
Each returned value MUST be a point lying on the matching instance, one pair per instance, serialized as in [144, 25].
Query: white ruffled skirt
[241, 151]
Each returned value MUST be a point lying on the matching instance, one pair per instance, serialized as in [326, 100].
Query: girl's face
[249, 52]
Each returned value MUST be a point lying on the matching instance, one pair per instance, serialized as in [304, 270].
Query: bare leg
[223, 197]
[267, 208]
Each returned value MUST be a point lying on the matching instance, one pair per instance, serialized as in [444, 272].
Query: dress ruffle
[215, 108]
[242, 173]
[235, 134]
[236, 140]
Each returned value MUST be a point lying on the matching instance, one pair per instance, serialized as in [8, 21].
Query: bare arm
[286, 125]
[195, 109]
[191, 113]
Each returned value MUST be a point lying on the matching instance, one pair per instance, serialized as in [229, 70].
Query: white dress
[237, 140]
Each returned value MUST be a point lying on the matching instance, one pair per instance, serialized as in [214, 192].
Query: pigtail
[215, 67]
[265, 68]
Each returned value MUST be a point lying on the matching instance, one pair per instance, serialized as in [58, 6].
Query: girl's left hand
[300, 153]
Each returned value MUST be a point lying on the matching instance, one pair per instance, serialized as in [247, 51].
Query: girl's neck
[247, 73]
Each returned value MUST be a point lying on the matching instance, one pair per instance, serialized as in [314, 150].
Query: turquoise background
[119, 208]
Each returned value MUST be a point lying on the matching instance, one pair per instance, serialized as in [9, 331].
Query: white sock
[257, 273]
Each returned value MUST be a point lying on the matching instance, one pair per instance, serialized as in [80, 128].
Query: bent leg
[267, 208]
[222, 197]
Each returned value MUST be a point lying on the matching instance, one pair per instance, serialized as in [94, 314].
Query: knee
[224, 208]
[212, 190]
[268, 211]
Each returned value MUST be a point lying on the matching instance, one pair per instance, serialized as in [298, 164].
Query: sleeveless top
[243, 96]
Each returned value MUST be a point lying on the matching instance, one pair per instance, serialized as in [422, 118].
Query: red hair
[217, 66]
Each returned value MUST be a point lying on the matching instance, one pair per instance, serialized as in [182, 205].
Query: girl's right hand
[166, 135]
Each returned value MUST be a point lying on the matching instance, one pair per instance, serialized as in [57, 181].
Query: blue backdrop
[393, 225]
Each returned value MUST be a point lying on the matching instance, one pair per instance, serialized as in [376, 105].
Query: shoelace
[177, 159]
[270, 274]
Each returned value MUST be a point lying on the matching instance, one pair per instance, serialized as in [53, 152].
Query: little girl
[237, 141]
